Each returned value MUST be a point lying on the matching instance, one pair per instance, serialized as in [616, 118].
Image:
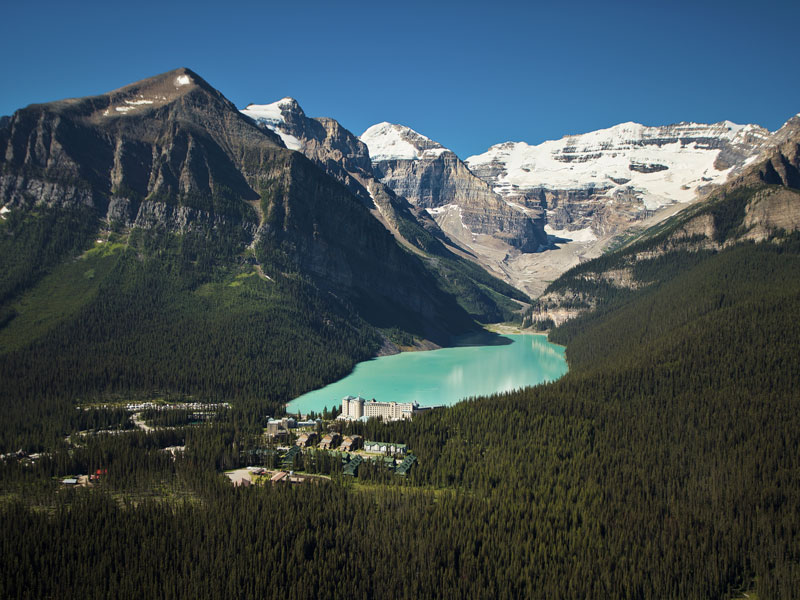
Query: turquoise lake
[443, 377]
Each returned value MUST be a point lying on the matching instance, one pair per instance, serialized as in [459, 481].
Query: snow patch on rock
[585, 235]
[271, 115]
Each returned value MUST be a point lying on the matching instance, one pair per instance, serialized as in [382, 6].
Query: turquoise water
[444, 376]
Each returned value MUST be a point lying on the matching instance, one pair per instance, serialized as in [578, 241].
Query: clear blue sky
[467, 74]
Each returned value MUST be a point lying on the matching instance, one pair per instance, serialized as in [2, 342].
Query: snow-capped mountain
[387, 141]
[606, 178]
[432, 177]
[580, 190]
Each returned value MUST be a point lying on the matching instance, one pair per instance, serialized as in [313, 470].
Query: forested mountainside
[155, 240]
[664, 464]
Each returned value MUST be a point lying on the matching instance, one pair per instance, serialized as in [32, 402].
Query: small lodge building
[404, 467]
[279, 476]
[288, 460]
[306, 440]
[351, 443]
[330, 441]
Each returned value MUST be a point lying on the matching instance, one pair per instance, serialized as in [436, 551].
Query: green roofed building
[403, 468]
[351, 468]
[384, 447]
[288, 458]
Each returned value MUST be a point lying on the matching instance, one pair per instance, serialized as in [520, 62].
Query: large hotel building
[355, 407]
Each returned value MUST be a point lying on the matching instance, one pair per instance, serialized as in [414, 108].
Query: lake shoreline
[447, 375]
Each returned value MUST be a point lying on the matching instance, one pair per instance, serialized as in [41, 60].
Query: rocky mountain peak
[389, 141]
[284, 117]
[170, 139]
[285, 109]
[140, 98]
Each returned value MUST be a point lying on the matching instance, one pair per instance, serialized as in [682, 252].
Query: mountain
[346, 158]
[607, 178]
[760, 203]
[169, 243]
[433, 178]
[569, 198]
[780, 160]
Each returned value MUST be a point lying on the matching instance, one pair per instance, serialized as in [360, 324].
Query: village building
[278, 429]
[279, 476]
[351, 468]
[404, 467]
[330, 441]
[306, 440]
[351, 443]
[287, 461]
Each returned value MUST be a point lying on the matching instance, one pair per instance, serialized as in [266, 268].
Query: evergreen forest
[664, 464]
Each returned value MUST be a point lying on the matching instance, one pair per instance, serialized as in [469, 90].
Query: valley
[161, 248]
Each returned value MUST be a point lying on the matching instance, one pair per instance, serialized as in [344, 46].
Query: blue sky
[467, 74]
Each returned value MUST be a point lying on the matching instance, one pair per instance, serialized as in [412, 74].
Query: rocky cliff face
[432, 177]
[606, 179]
[779, 163]
[346, 158]
[324, 141]
[171, 139]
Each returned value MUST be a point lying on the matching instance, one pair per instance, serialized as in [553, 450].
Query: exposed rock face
[171, 139]
[346, 158]
[780, 162]
[324, 141]
[432, 177]
[606, 179]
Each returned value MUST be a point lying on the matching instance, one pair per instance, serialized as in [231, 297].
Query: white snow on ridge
[182, 80]
[388, 141]
[271, 115]
[291, 142]
[268, 113]
[596, 159]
